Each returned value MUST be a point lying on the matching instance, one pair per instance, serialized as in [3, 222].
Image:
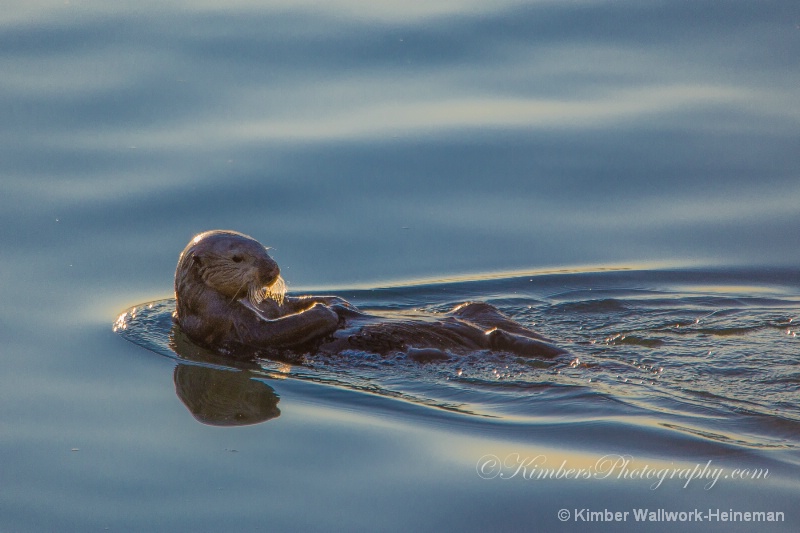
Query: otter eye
[237, 258]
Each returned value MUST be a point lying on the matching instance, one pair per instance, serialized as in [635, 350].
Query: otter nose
[268, 270]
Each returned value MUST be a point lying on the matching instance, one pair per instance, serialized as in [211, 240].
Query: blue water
[621, 176]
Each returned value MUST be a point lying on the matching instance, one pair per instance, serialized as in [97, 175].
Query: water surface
[710, 353]
[373, 145]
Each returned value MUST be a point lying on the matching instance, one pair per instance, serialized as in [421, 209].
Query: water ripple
[681, 356]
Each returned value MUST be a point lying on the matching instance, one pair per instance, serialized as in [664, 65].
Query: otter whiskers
[275, 291]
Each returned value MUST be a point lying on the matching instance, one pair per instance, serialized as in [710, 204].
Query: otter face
[234, 265]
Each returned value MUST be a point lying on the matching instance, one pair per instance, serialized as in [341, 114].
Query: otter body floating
[230, 297]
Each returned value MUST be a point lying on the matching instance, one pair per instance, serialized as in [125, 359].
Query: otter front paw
[325, 319]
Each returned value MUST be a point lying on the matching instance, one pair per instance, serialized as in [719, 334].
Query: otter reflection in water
[225, 397]
[230, 297]
[221, 396]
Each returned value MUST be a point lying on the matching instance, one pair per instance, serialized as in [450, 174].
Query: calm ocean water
[622, 176]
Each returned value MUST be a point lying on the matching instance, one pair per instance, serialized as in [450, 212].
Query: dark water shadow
[216, 393]
[223, 397]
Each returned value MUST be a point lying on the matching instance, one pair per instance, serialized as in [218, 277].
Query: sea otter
[230, 297]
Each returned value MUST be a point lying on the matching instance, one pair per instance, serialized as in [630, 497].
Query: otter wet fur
[230, 297]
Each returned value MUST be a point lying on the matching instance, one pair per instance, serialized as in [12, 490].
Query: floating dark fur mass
[230, 297]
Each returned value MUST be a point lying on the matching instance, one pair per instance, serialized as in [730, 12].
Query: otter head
[231, 264]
